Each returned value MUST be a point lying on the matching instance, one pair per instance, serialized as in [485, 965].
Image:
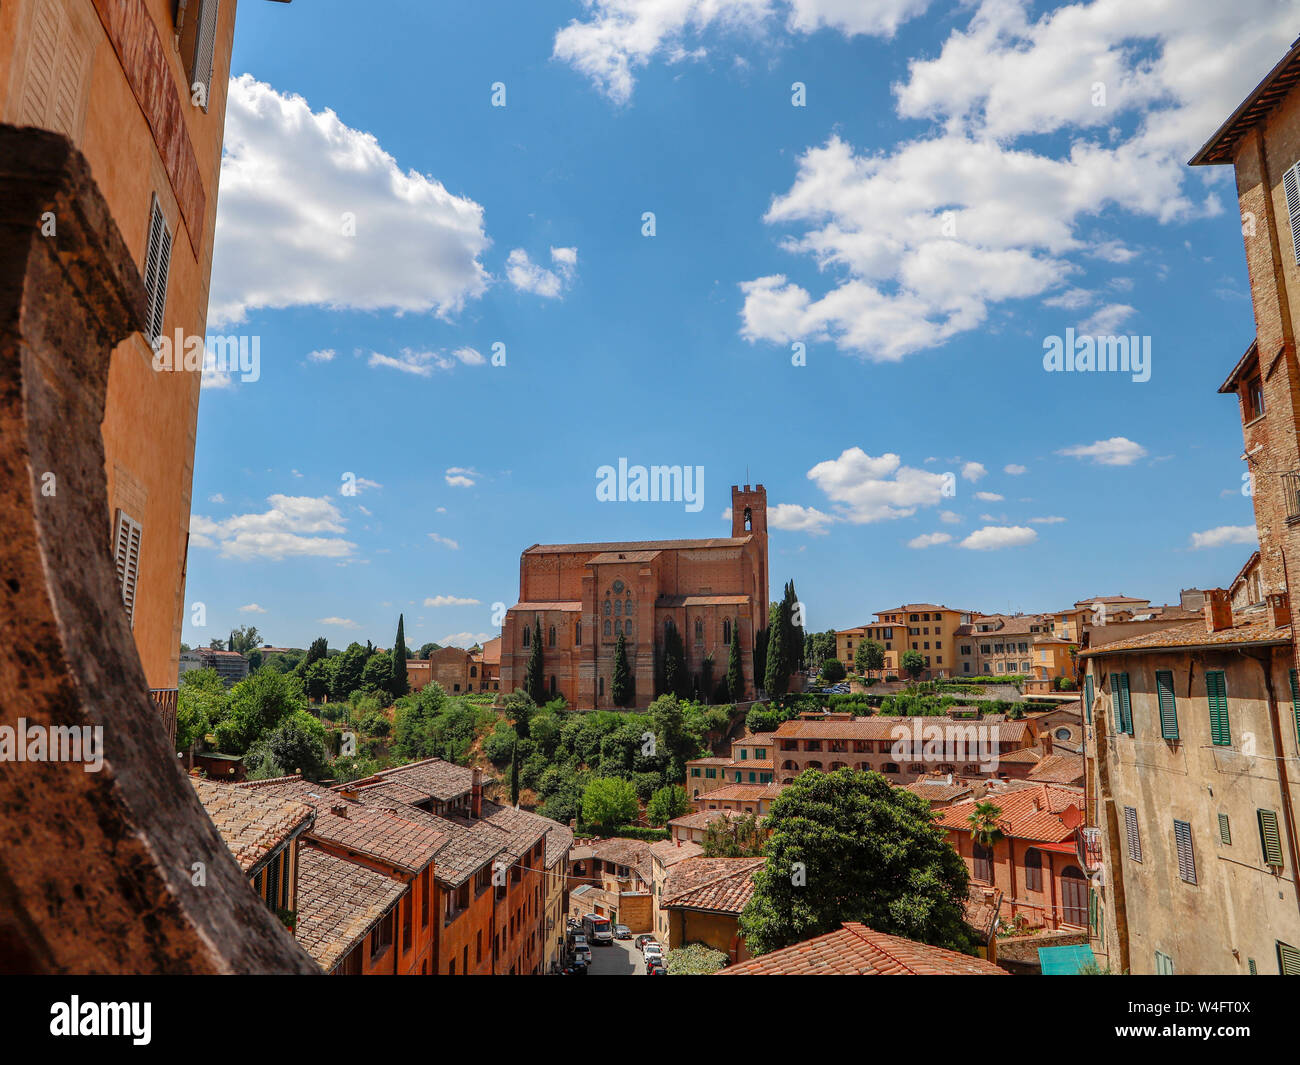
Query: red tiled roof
[1263, 99]
[856, 950]
[1059, 769]
[720, 885]
[252, 825]
[1193, 634]
[339, 902]
[742, 792]
[881, 727]
[1027, 813]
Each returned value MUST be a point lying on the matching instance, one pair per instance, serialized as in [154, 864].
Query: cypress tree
[622, 690]
[794, 643]
[760, 656]
[735, 672]
[534, 684]
[777, 675]
[514, 773]
[675, 680]
[399, 686]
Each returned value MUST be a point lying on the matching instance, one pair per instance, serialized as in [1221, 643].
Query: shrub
[695, 959]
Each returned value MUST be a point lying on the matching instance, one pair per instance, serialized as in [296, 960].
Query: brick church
[585, 595]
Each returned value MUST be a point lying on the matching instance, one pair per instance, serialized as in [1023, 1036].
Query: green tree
[427, 649]
[200, 703]
[983, 822]
[793, 650]
[415, 733]
[244, 639]
[672, 671]
[609, 801]
[776, 677]
[257, 704]
[833, 670]
[869, 657]
[348, 668]
[316, 651]
[913, 664]
[398, 685]
[296, 745]
[378, 672]
[622, 689]
[847, 846]
[735, 671]
[514, 773]
[519, 710]
[665, 804]
[759, 656]
[728, 838]
[318, 678]
[534, 681]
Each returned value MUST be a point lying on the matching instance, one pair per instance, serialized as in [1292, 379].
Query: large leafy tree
[378, 672]
[725, 837]
[534, 682]
[296, 745]
[416, 733]
[519, 710]
[398, 684]
[200, 703]
[847, 846]
[316, 651]
[869, 656]
[665, 804]
[622, 688]
[913, 663]
[609, 802]
[256, 706]
[347, 671]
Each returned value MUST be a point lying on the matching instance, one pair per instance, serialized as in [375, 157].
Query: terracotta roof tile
[1192, 635]
[881, 727]
[742, 793]
[856, 950]
[339, 902]
[721, 885]
[1059, 769]
[252, 825]
[1039, 812]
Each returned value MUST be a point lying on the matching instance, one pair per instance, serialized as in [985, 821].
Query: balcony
[1291, 495]
[165, 700]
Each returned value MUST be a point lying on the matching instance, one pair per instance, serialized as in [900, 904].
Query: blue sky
[955, 190]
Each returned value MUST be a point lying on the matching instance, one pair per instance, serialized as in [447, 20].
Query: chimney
[950, 780]
[1279, 610]
[476, 794]
[1218, 610]
[339, 809]
[1045, 739]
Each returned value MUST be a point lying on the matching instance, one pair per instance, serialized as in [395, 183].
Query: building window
[1288, 959]
[577, 634]
[726, 638]
[1186, 855]
[1216, 693]
[157, 261]
[1168, 708]
[699, 630]
[1033, 869]
[382, 936]
[550, 639]
[601, 683]
[527, 635]
[608, 630]
[1164, 964]
[1131, 833]
[1119, 697]
[1225, 830]
[1270, 840]
[983, 863]
[609, 607]
[126, 556]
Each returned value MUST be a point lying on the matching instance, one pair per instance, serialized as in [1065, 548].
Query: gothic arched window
[608, 608]
[726, 631]
[699, 629]
[550, 641]
[607, 628]
[627, 608]
[618, 608]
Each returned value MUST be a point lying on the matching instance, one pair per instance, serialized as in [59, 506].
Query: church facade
[585, 595]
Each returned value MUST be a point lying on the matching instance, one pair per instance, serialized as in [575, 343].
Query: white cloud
[1072, 299]
[445, 541]
[216, 497]
[1052, 519]
[323, 355]
[865, 489]
[1224, 535]
[1015, 469]
[950, 517]
[973, 471]
[528, 276]
[424, 363]
[995, 537]
[929, 540]
[342, 623]
[795, 518]
[1106, 320]
[252, 608]
[918, 241]
[465, 639]
[449, 600]
[622, 36]
[1117, 451]
[289, 178]
[461, 477]
[288, 529]
[989, 497]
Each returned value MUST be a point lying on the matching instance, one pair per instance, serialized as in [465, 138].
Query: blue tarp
[1065, 961]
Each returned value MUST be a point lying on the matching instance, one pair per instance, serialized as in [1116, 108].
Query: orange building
[139, 86]
[584, 596]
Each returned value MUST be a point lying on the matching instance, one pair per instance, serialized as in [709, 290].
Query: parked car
[655, 966]
[642, 940]
[582, 953]
[653, 950]
[621, 931]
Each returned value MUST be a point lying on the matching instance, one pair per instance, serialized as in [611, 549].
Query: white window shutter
[205, 46]
[126, 557]
[1291, 185]
[158, 254]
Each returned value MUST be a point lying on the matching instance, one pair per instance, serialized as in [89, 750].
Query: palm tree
[984, 828]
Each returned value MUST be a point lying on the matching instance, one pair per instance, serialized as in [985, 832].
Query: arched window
[627, 626]
[577, 634]
[618, 608]
[527, 635]
[627, 608]
[1034, 869]
[699, 630]
[749, 519]
[608, 631]
[601, 686]
[726, 631]
[608, 607]
[550, 641]
[668, 627]
[618, 627]
[473, 671]
[552, 683]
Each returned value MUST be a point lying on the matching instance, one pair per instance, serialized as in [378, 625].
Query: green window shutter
[1254, 969]
[1225, 829]
[1168, 708]
[1121, 708]
[1092, 908]
[1186, 855]
[1125, 703]
[1216, 693]
[1131, 833]
[1088, 692]
[1164, 964]
[1288, 959]
[1269, 838]
[1295, 703]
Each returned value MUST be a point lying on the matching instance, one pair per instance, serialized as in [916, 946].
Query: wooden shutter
[1216, 693]
[1288, 959]
[205, 46]
[1269, 838]
[1186, 855]
[1168, 707]
[1295, 703]
[1164, 964]
[1131, 833]
[158, 254]
[1119, 697]
[127, 534]
[1291, 183]
[1088, 697]
[1225, 829]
